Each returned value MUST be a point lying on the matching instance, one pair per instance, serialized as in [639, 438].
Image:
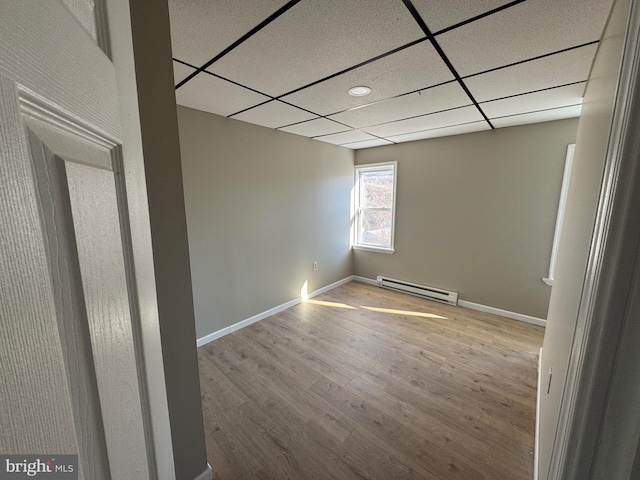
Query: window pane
[375, 228]
[376, 189]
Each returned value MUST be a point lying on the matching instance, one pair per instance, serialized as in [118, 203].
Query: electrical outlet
[315, 266]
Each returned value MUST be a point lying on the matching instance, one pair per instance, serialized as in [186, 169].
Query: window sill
[374, 249]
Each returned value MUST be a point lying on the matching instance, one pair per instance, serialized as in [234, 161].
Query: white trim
[212, 336]
[562, 205]
[261, 316]
[267, 313]
[536, 448]
[476, 306]
[374, 249]
[503, 313]
[331, 286]
[369, 281]
[372, 167]
[601, 376]
[206, 475]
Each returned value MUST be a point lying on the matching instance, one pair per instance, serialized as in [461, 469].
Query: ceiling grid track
[478, 17]
[247, 35]
[348, 121]
[526, 60]
[445, 59]
[328, 77]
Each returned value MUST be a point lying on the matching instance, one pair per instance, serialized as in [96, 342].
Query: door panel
[73, 374]
[71, 312]
[46, 51]
[98, 238]
[85, 13]
[35, 408]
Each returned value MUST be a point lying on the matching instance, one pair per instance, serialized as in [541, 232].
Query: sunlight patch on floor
[404, 312]
[331, 304]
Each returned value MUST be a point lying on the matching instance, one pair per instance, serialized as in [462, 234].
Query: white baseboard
[503, 313]
[212, 336]
[365, 280]
[206, 475]
[476, 306]
[536, 445]
[272, 311]
[325, 289]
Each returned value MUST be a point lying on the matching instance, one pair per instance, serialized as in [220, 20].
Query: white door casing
[73, 366]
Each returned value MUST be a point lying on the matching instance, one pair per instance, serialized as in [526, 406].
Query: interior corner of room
[270, 219]
[476, 214]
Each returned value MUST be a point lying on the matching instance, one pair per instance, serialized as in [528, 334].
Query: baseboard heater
[423, 291]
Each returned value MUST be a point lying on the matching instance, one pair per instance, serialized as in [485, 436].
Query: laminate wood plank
[458, 351]
[412, 336]
[382, 422]
[434, 355]
[437, 414]
[260, 380]
[326, 392]
[317, 357]
[216, 388]
[264, 351]
[364, 338]
[457, 317]
[338, 335]
[311, 463]
[475, 380]
[334, 344]
[236, 436]
[477, 398]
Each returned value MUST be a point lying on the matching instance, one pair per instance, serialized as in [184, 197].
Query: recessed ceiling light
[359, 91]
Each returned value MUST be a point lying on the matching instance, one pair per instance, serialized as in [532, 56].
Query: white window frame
[358, 210]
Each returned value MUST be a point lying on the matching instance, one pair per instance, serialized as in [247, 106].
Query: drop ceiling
[435, 67]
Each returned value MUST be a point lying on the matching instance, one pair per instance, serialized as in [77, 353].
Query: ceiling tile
[438, 14]
[180, 72]
[431, 100]
[210, 94]
[556, 97]
[314, 128]
[346, 137]
[200, 29]
[442, 132]
[427, 122]
[316, 39]
[526, 30]
[378, 142]
[274, 114]
[421, 67]
[535, 117]
[551, 71]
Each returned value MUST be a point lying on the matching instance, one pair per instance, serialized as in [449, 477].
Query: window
[375, 199]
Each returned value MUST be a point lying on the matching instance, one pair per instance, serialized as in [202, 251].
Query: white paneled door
[70, 366]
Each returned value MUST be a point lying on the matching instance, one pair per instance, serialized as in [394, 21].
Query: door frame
[599, 422]
[140, 44]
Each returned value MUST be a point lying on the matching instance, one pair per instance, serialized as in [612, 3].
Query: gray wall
[591, 145]
[636, 465]
[262, 206]
[476, 213]
[149, 109]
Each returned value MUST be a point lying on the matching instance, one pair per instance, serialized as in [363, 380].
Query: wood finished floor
[338, 389]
